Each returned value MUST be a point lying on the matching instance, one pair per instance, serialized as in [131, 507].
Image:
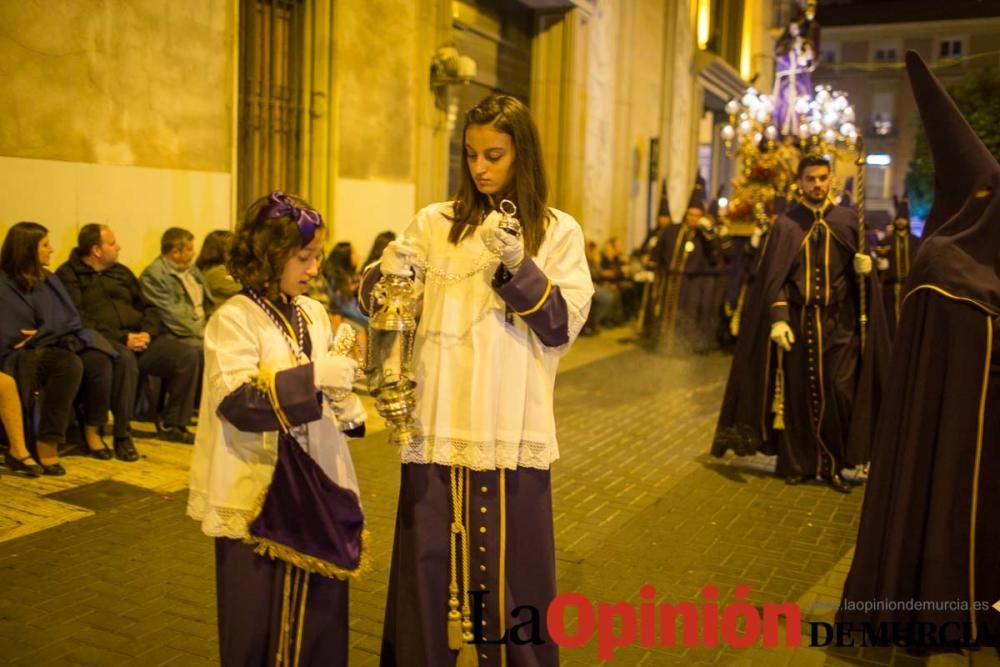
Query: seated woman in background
[17, 457]
[212, 264]
[44, 346]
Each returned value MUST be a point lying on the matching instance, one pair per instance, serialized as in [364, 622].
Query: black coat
[109, 301]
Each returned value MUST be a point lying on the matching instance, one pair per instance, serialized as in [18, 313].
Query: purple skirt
[511, 565]
[251, 590]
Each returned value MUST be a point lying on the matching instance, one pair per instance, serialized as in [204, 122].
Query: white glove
[755, 238]
[705, 223]
[350, 412]
[397, 259]
[334, 372]
[508, 247]
[862, 264]
[782, 335]
[883, 264]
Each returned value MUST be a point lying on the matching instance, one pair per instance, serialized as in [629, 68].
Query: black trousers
[179, 365]
[250, 591]
[57, 374]
[108, 384]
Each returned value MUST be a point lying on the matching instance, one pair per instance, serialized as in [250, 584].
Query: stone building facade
[146, 114]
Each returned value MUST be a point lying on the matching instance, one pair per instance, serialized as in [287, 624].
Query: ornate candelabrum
[825, 126]
[389, 364]
[825, 123]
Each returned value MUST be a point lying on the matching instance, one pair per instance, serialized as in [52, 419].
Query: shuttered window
[270, 98]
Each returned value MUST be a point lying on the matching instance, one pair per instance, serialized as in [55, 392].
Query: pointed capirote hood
[960, 157]
[902, 206]
[960, 254]
[847, 196]
[664, 209]
[697, 199]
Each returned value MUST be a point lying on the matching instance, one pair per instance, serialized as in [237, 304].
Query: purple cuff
[249, 409]
[538, 302]
[368, 280]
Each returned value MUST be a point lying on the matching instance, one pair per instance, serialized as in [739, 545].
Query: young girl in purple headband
[272, 478]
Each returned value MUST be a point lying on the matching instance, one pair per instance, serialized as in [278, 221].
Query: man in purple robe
[798, 364]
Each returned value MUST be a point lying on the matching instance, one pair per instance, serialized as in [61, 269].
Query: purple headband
[279, 206]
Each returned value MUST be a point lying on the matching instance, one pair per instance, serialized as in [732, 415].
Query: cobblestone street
[103, 568]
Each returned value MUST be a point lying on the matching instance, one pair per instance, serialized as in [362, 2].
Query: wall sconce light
[448, 67]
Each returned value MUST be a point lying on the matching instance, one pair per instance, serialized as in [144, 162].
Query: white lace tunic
[230, 468]
[485, 386]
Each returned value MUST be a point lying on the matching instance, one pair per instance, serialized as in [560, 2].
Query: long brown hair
[214, 249]
[529, 187]
[19, 255]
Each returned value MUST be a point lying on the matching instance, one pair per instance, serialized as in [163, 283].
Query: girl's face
[490, 157]
[44, 251]
[302, 267]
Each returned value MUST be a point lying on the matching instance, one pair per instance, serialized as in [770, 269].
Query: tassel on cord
[459, 622]
[467, 655]
[778, 406]
[293, 616]
[303, 594]
[454, 616]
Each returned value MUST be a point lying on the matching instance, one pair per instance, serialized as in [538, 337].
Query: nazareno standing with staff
[800, 367]
[499, 309]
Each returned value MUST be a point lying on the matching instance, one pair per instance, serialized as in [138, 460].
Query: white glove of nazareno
[350, 411]
[334, 372]
[508, 247]
[782, 335]
[862, 264]
[397, 259]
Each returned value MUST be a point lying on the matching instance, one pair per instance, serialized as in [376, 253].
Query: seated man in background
[110, 300]
[177, 289]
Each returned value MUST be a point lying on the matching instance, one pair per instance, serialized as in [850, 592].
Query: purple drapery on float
[792, 80]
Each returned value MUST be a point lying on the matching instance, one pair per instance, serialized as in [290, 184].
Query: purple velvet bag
[307, 520]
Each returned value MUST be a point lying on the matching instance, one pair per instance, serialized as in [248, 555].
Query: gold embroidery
[982, 306]
[975, 476]
[502, 486]
[541, 302]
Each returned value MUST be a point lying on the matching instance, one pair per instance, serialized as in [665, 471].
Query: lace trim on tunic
[482, 455]
[219, 521]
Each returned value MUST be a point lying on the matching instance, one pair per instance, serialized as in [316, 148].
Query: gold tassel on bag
[778, 405]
